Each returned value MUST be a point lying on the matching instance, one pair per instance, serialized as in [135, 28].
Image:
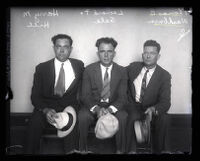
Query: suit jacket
[158, 91]
[42, 95]
[92, 86]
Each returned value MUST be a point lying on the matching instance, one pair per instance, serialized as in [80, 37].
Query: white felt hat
[65, 121]
[142, 131]
[106, 126]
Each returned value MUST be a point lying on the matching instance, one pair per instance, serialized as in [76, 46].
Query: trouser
[158, 125]
[35, 130]
[86, 118]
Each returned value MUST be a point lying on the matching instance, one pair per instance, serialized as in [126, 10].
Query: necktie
[60, 86]
[143, 86]
[105, 94]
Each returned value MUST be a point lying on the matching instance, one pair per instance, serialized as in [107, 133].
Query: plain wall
[32, 28]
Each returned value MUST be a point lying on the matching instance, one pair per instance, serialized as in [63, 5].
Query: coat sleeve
[86, 93]
[36, 94]
[164, 96]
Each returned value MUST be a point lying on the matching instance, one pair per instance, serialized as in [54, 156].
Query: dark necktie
[105, 94]
[143, 86]
[60, 86]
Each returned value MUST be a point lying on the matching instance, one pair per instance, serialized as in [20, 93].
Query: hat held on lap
[142, 131]
[106, 126]
[65, 121]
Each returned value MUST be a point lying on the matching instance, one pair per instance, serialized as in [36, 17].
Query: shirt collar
[150, 70]
[109, 68]
[57, 62]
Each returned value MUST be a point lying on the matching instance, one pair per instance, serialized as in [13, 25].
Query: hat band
[69, 123]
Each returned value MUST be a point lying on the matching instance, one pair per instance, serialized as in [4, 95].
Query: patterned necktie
[60, 86]
[143, 86]
[105, 93]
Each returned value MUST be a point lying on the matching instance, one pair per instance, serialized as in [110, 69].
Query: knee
[122, 115]
[37, 116]
[82, 115]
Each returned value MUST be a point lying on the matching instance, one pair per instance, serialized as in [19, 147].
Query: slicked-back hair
[106, 40]
[61, 36]
[152, 43]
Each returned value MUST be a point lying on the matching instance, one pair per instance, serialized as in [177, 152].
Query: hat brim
[138, 132]
[70, 110]
[140, 135]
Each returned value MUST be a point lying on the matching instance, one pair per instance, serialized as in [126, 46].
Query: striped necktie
[105, 93]
[143, 86]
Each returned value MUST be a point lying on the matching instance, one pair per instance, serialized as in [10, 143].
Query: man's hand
[150, 111]
[109, 110]
[102, 112]
[50, 115]
[96, 109]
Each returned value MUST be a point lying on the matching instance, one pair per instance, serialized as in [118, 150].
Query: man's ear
[114, 54]
[71, 49]
[97, 54]
[158, 57]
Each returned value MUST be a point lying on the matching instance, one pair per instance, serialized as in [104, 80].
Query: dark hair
[61, 36]
[106, 40]
[152, 43]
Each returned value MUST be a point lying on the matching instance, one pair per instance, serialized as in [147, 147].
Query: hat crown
[61, 120]
[65, 121]
[106, 126]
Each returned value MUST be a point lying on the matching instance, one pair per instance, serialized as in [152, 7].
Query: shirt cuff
[92, 108]
[114, 109]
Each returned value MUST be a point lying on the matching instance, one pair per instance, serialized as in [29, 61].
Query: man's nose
[62, 49]
[148, 55]
[106, 54]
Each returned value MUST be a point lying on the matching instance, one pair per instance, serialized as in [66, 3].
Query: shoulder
[76, 61]
[92, 66]
[134, 65]
[120, 70]
[45, 64]
[119, 67]
[163, 72]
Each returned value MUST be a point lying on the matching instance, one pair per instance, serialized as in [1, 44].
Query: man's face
[150, 56]
[106, 54]
[62, 49]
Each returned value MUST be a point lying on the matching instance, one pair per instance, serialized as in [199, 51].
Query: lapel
[52, 75]
[114, 79]
[152, 85]
[135, 72]
[98, 76]
[153, 80]
[75, 69]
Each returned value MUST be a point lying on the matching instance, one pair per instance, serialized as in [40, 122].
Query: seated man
[55, 86]
[149, 94]
[104, 88]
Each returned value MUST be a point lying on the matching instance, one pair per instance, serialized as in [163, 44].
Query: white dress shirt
[138, 81]
[103, 70]
[69, 72]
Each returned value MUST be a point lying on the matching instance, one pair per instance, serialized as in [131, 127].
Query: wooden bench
[51, 144]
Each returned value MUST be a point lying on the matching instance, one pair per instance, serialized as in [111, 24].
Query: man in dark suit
[51, 94]
[152, 99]
[96, 101]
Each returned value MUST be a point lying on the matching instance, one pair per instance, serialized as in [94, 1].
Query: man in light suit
[47, 99]
[95, 101]
[154, 102]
